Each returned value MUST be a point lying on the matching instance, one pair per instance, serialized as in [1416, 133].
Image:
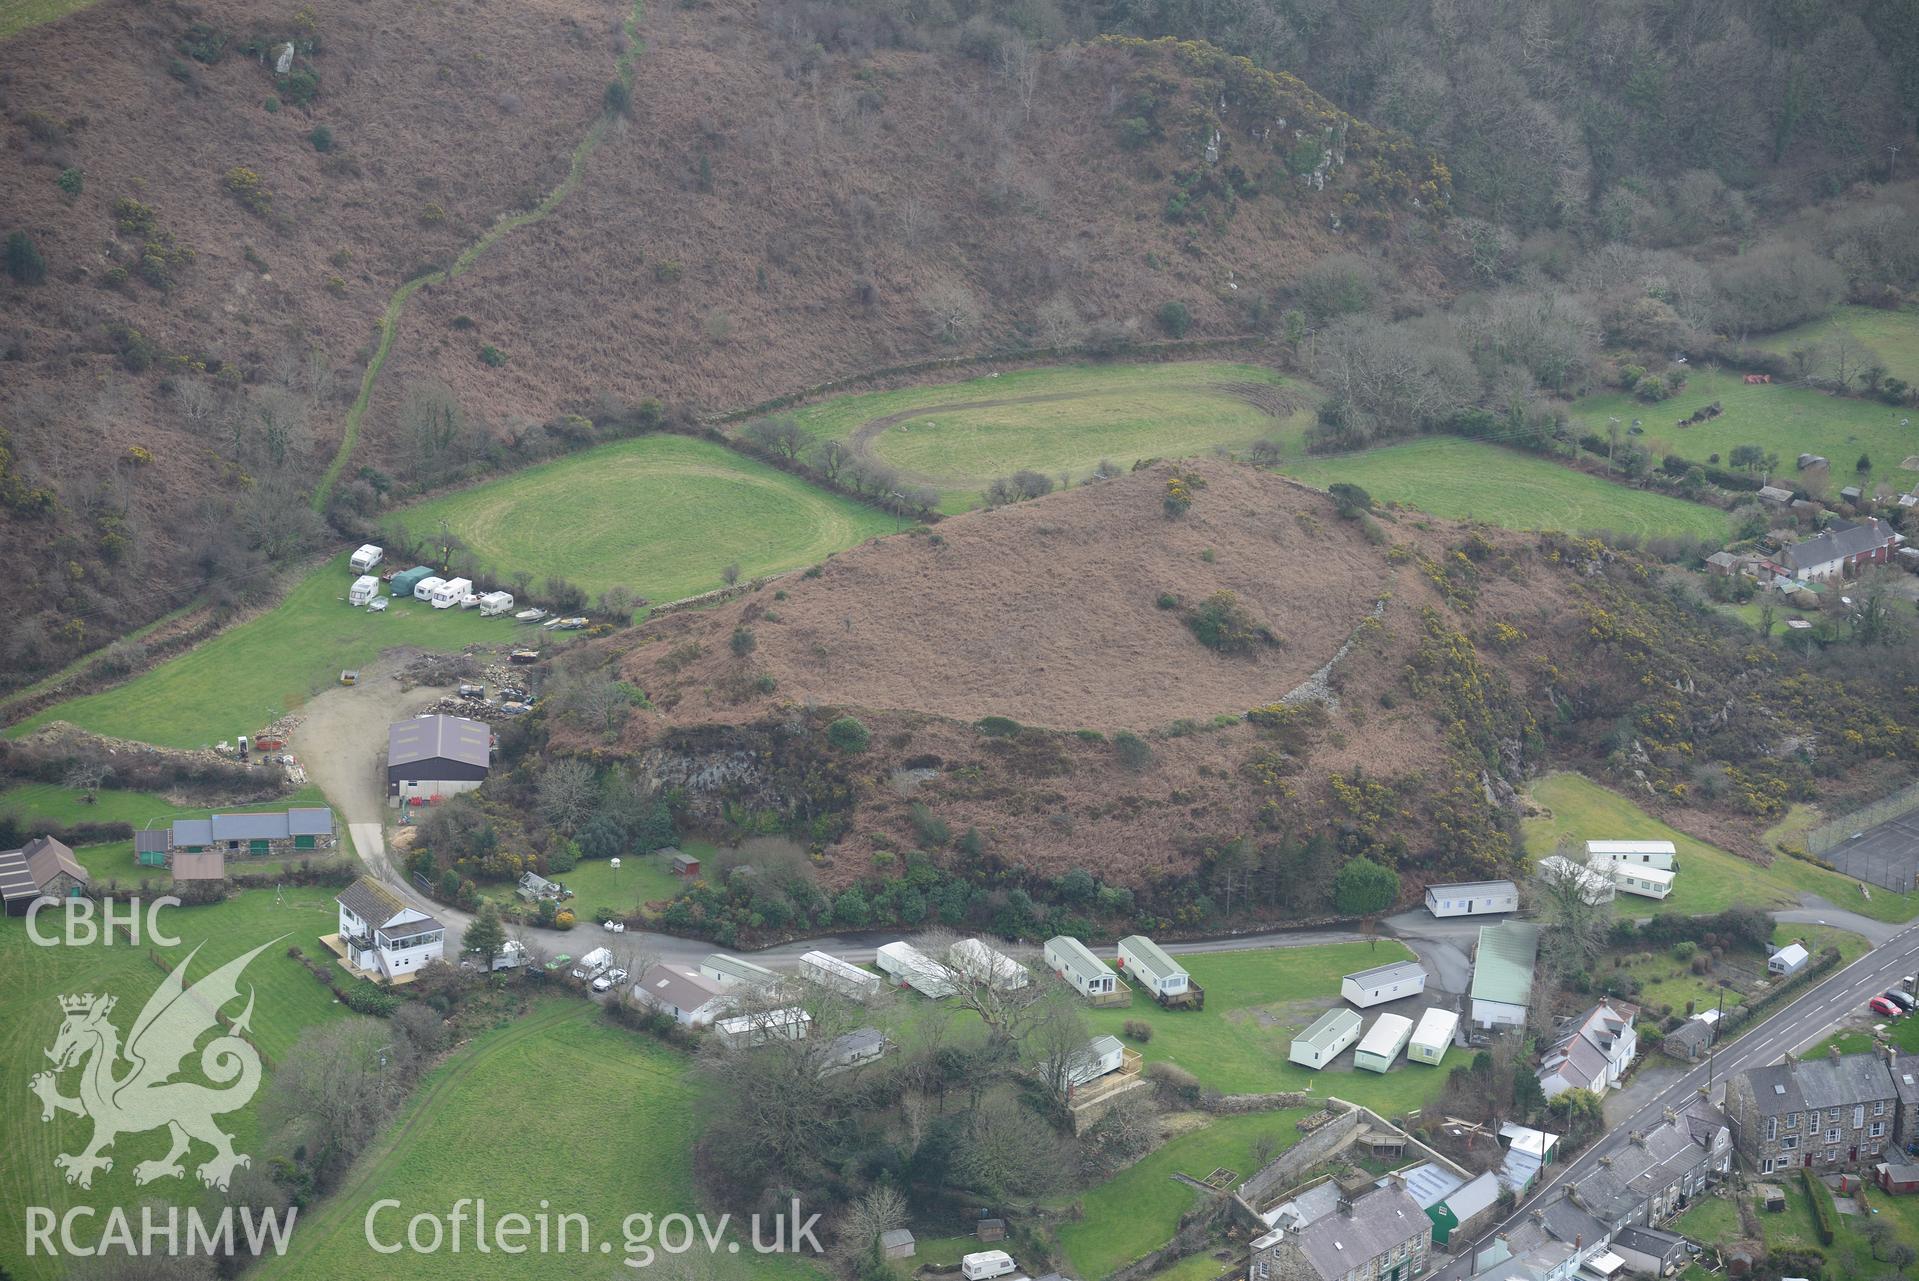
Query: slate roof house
[1841, 550]
[42, 868]
[384, 937]
[1841, 1110]
[436, 756]
[1380, 1234]
[270, 832]
[1905, 1082]
[1593, 1051]
[1658, 1172]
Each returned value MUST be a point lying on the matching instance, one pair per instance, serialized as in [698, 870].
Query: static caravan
[1101, 1055]
[364, 589]
[1325, 1038]
[1433, 1036]
[1383, 983]
[910, 967]
[1596, 885]
[496, 603]
[846, 979]
[731, 971]
[1659, 854]
[1647, 882]
[366, 558]
[1073, 961]
[1381, 1046]
[1150, 967]
[982, 964]
[1472, 898]
[423, 589]
[744, 1031]
[452, 592]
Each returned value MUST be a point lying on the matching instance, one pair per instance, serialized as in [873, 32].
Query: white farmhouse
[686, 994]
[1383, 983]
[1593, 1051]
[381, 936]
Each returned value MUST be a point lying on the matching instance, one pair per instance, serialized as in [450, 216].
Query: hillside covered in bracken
[751, 217]
[1392, 685]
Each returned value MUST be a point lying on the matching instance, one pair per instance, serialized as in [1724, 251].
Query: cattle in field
[1752, 379]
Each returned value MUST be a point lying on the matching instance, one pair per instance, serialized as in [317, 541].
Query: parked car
[1903, 1000]
[606, 981]
[1880, 1005]
[616, 976]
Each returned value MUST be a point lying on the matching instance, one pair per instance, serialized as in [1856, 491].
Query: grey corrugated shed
[426, 738]
[251, 827]
[310, 820]
[193, 831]
[1503, 967]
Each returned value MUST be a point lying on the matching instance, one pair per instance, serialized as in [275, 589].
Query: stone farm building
[290, 833]
[43, 868]
[436, 755]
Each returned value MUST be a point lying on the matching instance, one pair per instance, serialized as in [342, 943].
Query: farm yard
[1470, 480]
[1062, 420]
[554, 1107]
[660, 515]
[1782, 419]
[264, 667]
[289, 1002]
[1710, 879]
[1892, 337]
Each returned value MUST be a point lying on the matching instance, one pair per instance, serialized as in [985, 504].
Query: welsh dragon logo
[143, 1095]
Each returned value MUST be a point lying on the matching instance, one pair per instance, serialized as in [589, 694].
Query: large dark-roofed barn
[436, 756]
[42, 868]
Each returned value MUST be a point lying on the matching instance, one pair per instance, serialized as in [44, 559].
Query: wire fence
[1823, 838]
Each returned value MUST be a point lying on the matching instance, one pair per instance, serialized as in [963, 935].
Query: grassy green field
[1710, 879]
[17, 15]
[662, 515]
[258, 670]
[1255, 1002]
[642, 878]
[1715, 1220]
[288, 1002]
[1787, 420]
[1666, 980]
[1138, 1209]
[1068, 418]
[1469, 480]
[1891, 336]
[555, 1108]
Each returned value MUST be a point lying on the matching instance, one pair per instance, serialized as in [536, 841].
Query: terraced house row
[1844, 1110]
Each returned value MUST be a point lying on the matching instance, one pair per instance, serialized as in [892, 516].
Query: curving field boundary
[502, 227]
